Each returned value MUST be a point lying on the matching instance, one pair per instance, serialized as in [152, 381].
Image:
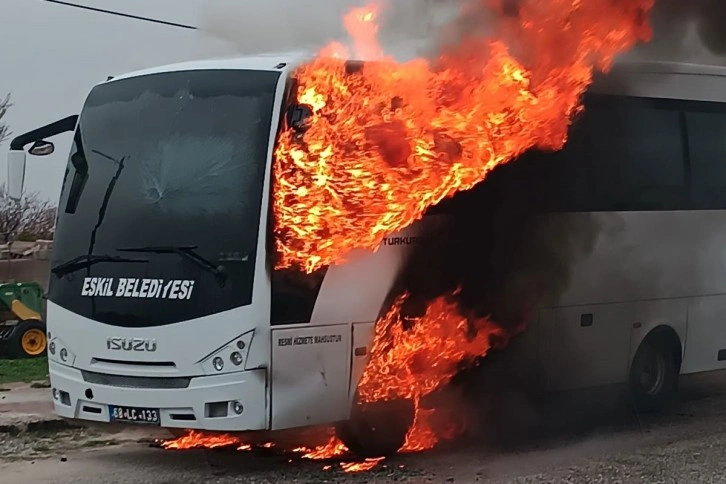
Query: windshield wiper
[219, 271]
[86, 261]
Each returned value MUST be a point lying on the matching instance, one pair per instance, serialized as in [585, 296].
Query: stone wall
[25, 270]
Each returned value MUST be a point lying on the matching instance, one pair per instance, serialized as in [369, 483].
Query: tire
[653, 382]
[377, 429]
[29, 340]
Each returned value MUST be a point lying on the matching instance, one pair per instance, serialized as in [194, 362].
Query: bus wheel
[654, 374]
[377, 429]
[29, 340]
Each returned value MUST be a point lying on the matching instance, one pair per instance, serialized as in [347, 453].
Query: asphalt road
[685, 445]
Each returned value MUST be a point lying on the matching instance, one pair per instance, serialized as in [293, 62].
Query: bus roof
[664, 80]
[262, 62]
[656, 79]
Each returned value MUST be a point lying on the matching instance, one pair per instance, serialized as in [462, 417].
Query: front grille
[166, 364]
[135, 381]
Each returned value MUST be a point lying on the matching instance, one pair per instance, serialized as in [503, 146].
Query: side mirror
[298, 117]
[42, 148]
[16, 174]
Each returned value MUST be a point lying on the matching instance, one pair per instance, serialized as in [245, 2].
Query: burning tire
[654, 372]
[377, 429]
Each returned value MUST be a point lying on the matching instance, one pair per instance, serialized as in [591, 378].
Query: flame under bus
[164, 307]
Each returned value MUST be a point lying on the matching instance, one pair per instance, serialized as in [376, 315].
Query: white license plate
[134, 415]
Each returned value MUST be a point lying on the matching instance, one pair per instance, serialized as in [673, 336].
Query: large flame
[387, 142]
[411, 357]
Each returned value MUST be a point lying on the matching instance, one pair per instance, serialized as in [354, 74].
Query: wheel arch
[663, 334]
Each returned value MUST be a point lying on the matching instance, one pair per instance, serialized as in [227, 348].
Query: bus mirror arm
[41, 147]
[37, 135]
[298, 117]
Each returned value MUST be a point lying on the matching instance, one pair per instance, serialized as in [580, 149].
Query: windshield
[160, 209]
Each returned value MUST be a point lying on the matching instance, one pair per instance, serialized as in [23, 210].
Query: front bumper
[190, 407]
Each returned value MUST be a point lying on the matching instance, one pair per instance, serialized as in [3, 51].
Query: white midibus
[636, 205]
[164, 308]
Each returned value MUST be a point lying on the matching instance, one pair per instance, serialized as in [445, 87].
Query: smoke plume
[686, 31]
[408, 28]
[274, 25]
[508, 257]
[499, 247]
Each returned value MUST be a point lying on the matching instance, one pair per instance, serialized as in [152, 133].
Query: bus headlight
[59, 352]
[234, 351]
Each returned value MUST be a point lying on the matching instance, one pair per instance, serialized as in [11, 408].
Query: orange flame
[412, 357]
[199, 440]
[389, 141]
[336, 448]
[364, 466]
[333, 448]
[361, 23]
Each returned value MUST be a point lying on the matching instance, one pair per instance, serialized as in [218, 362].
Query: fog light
[218, 363]
[236, 358]
[238, 408]
[51, 347]
[55, 394]
[241, 344]
[64, 354]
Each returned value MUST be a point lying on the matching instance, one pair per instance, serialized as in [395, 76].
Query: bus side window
[707, 148]
[537, 180]
[637, 152]
[566, 173]
[294, 294]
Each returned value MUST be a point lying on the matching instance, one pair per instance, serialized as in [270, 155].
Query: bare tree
[38, 222]
[30, 219]
[4, 129]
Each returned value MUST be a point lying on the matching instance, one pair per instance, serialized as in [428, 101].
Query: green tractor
[22, 329]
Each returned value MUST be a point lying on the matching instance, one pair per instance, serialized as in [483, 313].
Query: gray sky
[52, 55]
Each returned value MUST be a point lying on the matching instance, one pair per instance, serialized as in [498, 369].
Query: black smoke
[499, 244]
[683, 30]
[504, 249]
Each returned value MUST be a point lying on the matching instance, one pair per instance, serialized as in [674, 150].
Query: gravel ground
[33, 446]
[683, 446]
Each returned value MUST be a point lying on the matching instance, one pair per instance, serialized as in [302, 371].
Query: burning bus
[168, 304]
[164, 306]
[286, 241]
